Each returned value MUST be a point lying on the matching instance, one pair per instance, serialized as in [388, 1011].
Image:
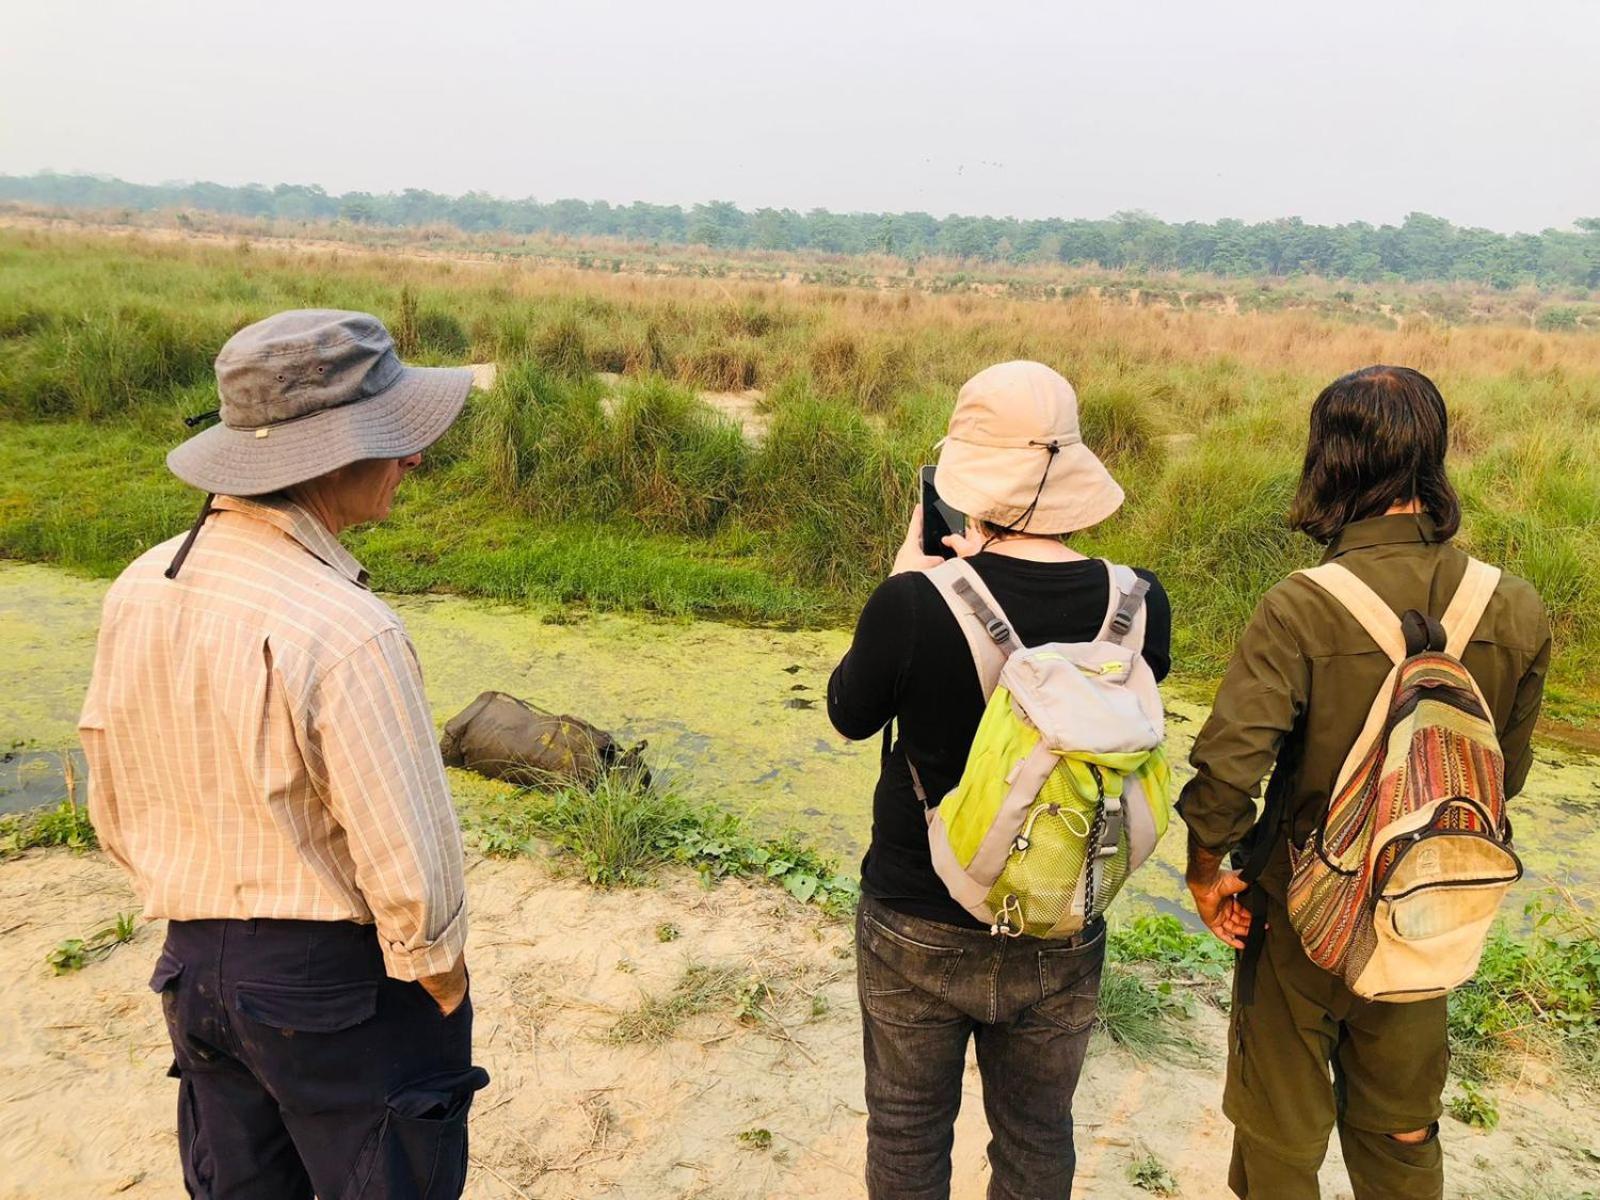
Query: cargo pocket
[164, 982]
[168, 968]
[194, 1153]
[419, 1150]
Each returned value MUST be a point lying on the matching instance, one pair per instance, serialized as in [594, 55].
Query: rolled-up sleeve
[1262, 696]
[386, 787]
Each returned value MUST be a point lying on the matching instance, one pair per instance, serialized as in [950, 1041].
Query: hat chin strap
[194, 531]
[1020, 525]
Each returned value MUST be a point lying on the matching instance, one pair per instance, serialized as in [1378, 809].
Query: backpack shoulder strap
[1125, 611]
[1364, 604]
[983, 622]
[1467, 606]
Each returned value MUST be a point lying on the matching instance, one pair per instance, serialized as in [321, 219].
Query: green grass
[1534, 996]
[66, 825]
[622, 831]
[557, 488]
[1144, 1018]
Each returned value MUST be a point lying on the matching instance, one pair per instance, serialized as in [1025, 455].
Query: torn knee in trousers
[1416, 1136]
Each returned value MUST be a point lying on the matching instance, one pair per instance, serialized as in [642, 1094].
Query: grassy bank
[560, 486]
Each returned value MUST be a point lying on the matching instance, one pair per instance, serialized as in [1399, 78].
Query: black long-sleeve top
[909, 662]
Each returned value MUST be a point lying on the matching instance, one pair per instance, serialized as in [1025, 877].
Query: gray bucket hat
[308, 391]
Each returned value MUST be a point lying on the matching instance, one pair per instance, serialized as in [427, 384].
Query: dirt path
[87, 1111]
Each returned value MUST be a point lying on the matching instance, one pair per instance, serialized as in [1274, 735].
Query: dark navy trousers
[304, 1070]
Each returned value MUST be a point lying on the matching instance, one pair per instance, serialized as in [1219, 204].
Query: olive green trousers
[1308, 1056]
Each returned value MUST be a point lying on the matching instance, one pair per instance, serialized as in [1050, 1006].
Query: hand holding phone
[939, 520]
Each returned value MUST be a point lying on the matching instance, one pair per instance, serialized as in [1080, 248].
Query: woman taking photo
[932, 976]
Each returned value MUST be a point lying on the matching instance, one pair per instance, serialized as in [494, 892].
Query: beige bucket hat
[311, 390]
[1014, 455]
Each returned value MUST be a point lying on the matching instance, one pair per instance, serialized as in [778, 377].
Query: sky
[1485, 113]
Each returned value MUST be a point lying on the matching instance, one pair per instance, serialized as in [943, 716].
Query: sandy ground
[86, 1109]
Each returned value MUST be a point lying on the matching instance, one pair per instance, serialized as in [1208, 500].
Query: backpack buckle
[998, 629]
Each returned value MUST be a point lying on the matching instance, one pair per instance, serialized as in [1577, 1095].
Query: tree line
[1420, 248]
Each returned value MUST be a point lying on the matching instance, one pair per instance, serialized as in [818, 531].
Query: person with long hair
[1307, 1055]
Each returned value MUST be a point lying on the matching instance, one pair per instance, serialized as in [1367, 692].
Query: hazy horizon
[1483, 115]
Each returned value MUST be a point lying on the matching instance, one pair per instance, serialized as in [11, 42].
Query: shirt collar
[1396, 530]
[312, 535]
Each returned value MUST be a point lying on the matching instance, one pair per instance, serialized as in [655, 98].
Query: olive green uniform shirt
[1305, 674]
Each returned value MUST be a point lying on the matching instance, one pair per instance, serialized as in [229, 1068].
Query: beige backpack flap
[1467, 606]
[1381, 624]
[983, 622]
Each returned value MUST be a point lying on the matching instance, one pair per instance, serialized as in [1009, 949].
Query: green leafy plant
[755, 1139]
[1161, 941]
[67, 825]
[1537, 995]
[623, 829]
[69, 955]
[1149, 1174]
[1474, 1107]
[73, 954]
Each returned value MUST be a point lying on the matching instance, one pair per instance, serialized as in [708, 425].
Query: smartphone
[938, 519]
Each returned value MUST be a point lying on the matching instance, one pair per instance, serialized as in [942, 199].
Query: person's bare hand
[449, 989]
[910, 556]
[966, 543]
[1220, 908]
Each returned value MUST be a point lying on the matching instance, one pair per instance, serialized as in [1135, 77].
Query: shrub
[562, 347]
[441, 335]
[542, 442]
[679, 463]
[1117, 426]
[1560, 316]
[833, 491]
[729, 366]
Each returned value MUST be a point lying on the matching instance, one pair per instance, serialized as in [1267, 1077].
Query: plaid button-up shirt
[259, 744]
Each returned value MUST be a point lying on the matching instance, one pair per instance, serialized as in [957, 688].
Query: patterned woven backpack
[1396, 888]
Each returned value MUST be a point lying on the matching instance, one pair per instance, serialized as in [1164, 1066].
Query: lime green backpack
[1066, 787]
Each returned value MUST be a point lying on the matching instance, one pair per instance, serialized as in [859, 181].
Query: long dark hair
[1378, 438]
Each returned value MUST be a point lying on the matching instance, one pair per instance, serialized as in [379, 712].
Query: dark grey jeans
[925, 990]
